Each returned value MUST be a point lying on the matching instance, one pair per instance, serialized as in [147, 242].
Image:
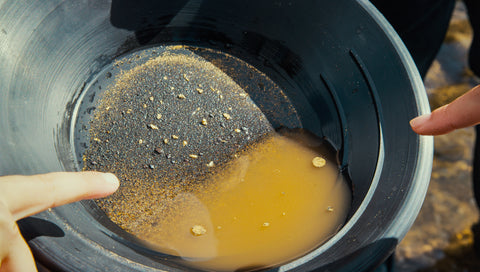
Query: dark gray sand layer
[164, 126]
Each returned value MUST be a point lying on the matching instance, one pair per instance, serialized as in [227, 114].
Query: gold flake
[319, 162]
[227, 116]
[198, 230]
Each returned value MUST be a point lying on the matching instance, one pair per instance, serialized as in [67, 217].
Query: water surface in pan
[192, 135]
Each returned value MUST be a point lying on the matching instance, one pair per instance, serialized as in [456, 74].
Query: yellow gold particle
[319, 162]
[198, 230]
[185, 77]
[266, 224]
[204, 122]
[165, 78]
[140, 141]
[184, 143]
[181, 96]
[200, 91]
[144, 106]
[151, 98]
[97, 140]
[227, 116]
[165, 141]
[129, 111]
[152, 126]
[237, 130]
[330, 208]
[211, 164]
[159, 116]
[193, 156]
[175, 137]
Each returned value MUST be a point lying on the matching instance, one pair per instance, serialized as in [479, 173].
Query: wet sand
[441, 239]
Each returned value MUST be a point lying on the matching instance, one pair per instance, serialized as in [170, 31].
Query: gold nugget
[198, 230]
[319, 162]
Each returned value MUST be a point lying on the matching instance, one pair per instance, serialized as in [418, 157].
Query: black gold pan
[335, 68]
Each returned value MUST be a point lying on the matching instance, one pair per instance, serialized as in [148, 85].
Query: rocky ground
[441, 239]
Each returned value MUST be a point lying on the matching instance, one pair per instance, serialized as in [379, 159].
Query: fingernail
[419, 121]
[111, 178]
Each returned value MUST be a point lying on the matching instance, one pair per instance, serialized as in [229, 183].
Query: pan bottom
[179, 126]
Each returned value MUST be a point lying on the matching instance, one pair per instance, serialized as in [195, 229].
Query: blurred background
[441, 237]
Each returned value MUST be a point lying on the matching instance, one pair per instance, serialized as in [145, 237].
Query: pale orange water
[270, 206]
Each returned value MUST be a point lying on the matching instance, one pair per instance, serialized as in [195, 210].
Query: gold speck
[221, 96]
[219, 227]
[185, 77]
[144, 106]
[151, 98]
[204, 122]
[200, 91]
[165, 141]
[129, 110]
[319, 162]
[230, 108]
[140, 141]
[161, 102]
[243, 94]
[159, 116]
[227, 116]
[198, 230]
[181, 96]
[266, 224]
[172, 88]
[193, 156]
[211, 164]
[97, 140]
[184, 143]
[152, 126]
[213, 89]
[284, 213]
[237, 130]
[165, 78]
[107, 108]
[175, 137]
[330, 208]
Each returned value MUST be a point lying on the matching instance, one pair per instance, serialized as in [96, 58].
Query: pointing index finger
[28, 195]
[462, 112]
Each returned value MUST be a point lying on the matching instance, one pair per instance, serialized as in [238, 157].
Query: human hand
[22, 196]
[462, 112]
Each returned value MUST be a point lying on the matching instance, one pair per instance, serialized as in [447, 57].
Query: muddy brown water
[204, 175]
